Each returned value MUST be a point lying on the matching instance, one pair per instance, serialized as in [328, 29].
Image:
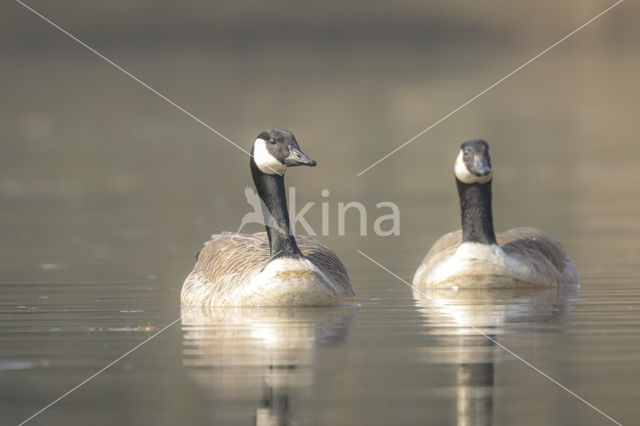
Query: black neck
[276, 216]
[475, 209]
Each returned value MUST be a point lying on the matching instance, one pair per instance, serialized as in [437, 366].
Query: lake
[108, 192]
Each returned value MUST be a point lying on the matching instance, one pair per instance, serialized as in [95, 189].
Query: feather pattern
[234, 270]
[522, 257]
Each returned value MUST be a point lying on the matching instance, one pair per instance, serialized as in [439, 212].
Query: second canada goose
[475, 256]
[272, 268]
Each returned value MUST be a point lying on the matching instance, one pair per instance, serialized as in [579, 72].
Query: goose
[271, 268]
[475, 257]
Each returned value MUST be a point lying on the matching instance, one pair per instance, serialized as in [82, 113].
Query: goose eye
[272, 141]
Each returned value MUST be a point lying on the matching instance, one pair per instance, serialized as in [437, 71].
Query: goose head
[473, 164]
[275, 150]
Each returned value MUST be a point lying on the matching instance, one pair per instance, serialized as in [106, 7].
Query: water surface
[107, 193]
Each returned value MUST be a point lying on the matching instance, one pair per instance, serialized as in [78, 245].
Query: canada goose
[474, 257]
[272, 268]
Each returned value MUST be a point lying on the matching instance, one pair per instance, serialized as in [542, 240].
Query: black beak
[481, 166]
[298, 158]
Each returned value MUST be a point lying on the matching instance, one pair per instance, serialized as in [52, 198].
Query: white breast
[478, 259]
[291, 282]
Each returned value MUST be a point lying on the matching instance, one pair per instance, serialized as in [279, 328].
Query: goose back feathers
[522, 257]
[234, 270]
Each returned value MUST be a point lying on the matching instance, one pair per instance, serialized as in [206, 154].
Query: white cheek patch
[266, 162]
[465, 176]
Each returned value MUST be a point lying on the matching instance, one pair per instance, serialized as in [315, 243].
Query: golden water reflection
[470, 324]
[253, 361]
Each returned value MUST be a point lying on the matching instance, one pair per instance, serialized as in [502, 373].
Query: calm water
[107, 193]
[399, 358]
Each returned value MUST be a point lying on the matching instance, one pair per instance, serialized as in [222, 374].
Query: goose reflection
[470, 323]
[249, 362]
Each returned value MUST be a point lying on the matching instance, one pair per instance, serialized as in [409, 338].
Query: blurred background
[99, 175]
[102, 181]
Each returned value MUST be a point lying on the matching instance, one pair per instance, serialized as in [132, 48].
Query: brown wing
[228, 260]
[541, 252]
[225, 261]
[326, 261]
[235, 255]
